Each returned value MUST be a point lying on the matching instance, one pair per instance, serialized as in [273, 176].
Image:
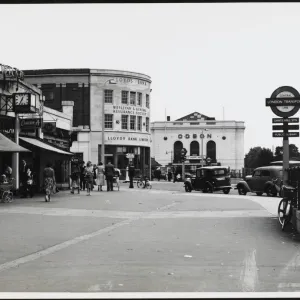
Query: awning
[7, 145]
[42, 145]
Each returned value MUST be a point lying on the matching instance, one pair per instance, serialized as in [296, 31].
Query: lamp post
[111, 81]
[202, 137]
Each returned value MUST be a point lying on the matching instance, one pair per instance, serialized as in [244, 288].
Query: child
[3, 179]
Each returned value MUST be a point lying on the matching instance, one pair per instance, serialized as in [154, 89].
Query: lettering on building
[202, 136]
[129, 110]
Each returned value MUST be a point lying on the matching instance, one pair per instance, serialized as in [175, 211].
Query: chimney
[168, 118]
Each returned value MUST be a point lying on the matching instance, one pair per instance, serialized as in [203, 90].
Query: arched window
[194, 148]
[211, 150]
[177, 151]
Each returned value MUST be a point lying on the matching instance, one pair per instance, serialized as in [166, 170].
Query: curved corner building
[126, 100]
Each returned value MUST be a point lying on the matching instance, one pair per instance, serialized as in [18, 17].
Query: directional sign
[285, 134]
[285, 120]
[282, 127]
[130, 155]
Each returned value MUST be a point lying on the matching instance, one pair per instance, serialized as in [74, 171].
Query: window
[139, 123]
[220, 172]
[265, 173]
[124, 122]
[256, 173]
[108, 122]
[132, 98]
[147, 124]
[147, 100]
[108, 96]
[132, 122]
[139, 101]
[124, 97]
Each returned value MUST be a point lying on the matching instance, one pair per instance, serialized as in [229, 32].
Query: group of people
[87, 176]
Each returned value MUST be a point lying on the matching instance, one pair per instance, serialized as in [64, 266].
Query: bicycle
[141, 183]
[285, 211]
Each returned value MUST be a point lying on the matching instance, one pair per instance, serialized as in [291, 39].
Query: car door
[254, 180]
[265, 176]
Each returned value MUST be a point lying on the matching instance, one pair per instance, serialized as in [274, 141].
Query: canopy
[6, 145]
[42, 145]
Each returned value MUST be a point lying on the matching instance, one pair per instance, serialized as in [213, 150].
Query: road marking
[249, 276]
[74, 241]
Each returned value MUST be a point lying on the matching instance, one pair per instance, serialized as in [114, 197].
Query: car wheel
[226, 191]
[259, 193]
[271, 192]
[242, 191]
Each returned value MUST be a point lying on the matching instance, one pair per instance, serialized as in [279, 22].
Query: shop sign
[202, 136]
[130, 110]
[49, 127]
[58, 143]
[30, 123]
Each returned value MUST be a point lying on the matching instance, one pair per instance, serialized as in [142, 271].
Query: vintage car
[263, 180]
[209, 179]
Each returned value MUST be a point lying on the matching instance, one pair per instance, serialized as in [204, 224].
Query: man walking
[131, 173]
[109, 173]
[82, 176]
[23, 178]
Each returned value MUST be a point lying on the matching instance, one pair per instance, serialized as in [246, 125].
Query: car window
[256, 173]
[220, 172]
[265, 173]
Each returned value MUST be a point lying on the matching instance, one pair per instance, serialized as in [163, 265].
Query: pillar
[15, 156]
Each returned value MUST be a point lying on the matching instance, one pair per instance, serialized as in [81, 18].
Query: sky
[201, 56]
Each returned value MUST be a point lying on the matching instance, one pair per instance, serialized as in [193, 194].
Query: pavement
[140, 240]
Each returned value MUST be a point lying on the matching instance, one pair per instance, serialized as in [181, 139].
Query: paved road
[146, 241]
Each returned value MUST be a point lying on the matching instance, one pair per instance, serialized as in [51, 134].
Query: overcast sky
[201, 57]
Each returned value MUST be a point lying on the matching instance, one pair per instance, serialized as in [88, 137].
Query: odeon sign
[194, 136]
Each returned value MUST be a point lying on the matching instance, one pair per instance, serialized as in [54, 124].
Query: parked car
[209, 179]
[261, 181]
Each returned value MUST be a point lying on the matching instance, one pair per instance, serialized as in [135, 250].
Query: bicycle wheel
[282, 211]
[140, 184]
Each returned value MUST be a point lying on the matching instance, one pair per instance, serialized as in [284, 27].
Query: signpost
[130, 156]
[285, 102]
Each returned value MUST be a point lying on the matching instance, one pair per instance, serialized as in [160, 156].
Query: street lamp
[202, 137]
[111, 81]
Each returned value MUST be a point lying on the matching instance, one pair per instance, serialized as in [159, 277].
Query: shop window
[147, 101]
[132, 122]
[108, 96]
[124, 97]
[147, 124]
[108, 122]
[132, 98]
[124, 122]
[211, 150]
[139, 123]
[139, 102]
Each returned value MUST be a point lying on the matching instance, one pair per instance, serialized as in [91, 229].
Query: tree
[258, 157]
[294, 152]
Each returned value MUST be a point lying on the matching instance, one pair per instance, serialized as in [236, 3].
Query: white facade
[229, 150]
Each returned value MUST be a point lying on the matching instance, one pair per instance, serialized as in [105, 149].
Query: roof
[269, 167]
[6, 145]
[195, 116]
[214, 167]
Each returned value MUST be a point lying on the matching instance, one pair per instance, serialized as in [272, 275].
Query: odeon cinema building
[218, 142]
[125, 98]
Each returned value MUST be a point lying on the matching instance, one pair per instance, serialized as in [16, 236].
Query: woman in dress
[89, 174]
[100, 176]
[49, 181]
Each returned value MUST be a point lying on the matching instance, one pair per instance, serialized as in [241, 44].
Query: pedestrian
[100, 180]
[158, 173]
[75, 177]
[82, 174]
[49, 181]
[94, 176]
[29, 185]
[89, 177]
[117, 177]
[131, 173]
[109, 173]
[169, 175]
[174, 175]
[23, 178]
[8, 171]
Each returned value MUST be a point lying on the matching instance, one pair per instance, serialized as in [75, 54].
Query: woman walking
[100, 176]
[89, 177]
[49, 181]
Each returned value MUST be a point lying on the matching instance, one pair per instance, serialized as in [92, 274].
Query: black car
[210, 179]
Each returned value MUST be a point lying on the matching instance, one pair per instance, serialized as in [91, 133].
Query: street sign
[31, 123]
[285, 120]
[284, 101]
[130, 155]
[287, 127]
[285, 134]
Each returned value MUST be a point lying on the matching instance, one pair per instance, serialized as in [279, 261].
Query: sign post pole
[15, 156]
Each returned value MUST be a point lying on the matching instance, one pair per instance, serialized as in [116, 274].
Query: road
[155, 240]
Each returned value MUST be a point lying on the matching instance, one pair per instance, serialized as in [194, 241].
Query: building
[221, 141]
[126, 99]
[25, 120]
